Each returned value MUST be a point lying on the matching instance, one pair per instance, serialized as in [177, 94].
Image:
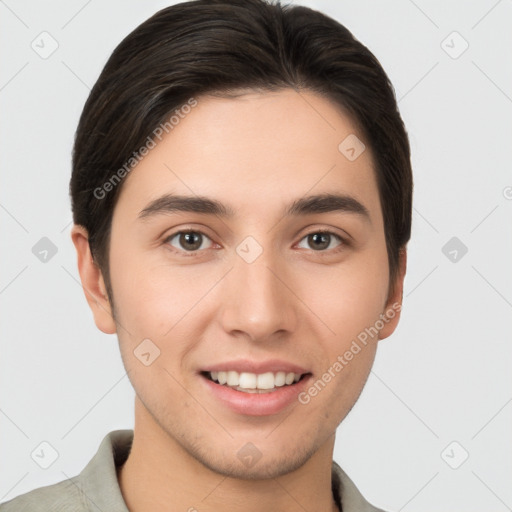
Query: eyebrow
[320, 203]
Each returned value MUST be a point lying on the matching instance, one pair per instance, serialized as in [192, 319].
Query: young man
[241, 193]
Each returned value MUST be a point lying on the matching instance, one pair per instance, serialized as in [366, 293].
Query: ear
[394, 303]
[92, 282]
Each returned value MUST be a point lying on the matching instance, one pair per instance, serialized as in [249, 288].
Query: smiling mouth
[247, 382]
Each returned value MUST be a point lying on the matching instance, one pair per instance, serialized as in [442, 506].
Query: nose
[257, 299]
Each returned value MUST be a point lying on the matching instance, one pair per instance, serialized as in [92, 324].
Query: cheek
[333, 393]
[167, 304]
[149, 297]
[349, 298]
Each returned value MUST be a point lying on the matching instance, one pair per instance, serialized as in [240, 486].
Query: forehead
[254, 151]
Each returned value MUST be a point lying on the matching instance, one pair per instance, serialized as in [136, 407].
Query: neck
[159, 475]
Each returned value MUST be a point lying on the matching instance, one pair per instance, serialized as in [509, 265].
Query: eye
[192, 241]
[188, 241]
[321, 240]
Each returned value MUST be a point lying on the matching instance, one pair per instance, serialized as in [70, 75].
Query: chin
[267, 467]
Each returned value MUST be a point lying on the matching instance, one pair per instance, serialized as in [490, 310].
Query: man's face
[258, 292]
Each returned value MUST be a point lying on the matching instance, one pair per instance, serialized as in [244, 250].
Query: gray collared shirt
[96, 488]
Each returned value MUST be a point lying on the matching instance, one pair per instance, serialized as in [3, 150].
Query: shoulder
[95, 488]
[59, 497]
[347, 494]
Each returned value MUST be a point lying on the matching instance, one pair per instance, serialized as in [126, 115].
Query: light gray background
[443, 376]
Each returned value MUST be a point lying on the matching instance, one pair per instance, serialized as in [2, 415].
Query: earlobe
[391, 313]
[92, 282]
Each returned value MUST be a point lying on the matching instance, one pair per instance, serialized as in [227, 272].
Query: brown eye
[321, 240]
[189, 241]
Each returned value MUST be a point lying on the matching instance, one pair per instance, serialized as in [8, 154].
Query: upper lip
[246, 365]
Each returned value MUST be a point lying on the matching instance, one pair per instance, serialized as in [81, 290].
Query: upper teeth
[246, 380]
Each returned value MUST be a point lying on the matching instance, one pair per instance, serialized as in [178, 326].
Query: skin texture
[256, 154]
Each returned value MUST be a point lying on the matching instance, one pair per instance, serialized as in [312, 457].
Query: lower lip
[256, 404]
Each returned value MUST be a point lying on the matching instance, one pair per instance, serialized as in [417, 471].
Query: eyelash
[344, 243]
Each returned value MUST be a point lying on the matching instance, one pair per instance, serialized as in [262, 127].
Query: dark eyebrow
[170, 203]
[321, 203]
[324, 203]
